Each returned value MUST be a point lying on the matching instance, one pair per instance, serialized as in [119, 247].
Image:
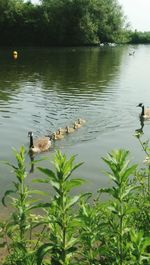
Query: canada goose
[81, 121]
[145, 111]
[69, 130]
[39, 145]
[56, 136]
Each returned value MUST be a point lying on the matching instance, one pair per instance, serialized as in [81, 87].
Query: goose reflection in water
[140, 130]
[31, 155]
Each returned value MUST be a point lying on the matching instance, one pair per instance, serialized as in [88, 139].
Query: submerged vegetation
[79, 229]
[61, 22]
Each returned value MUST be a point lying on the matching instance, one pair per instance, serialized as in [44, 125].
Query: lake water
[45, 89]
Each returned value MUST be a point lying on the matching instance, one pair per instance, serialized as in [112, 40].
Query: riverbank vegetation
[71, 229]
[64, 23]
[138, 37]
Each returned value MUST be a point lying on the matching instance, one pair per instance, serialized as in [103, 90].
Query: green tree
[83, 22]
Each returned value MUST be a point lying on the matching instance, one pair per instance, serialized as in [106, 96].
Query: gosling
[76, 125]
[56, 136]
[69, 130]
[61, 131]
[81, 121]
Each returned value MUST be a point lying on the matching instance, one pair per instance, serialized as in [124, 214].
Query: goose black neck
[31, 141]
[142, 111]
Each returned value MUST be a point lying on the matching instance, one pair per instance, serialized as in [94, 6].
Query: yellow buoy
[15, 54]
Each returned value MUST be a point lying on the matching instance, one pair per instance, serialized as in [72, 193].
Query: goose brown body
[39, 145]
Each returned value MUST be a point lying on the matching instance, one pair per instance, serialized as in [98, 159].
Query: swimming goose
[39, 145]
[69, 130]
[145, 111]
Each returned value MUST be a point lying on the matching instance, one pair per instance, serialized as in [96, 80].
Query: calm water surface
[45, 89]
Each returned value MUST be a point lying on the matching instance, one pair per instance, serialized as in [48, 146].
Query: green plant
[139, 247]
[146, 149]
[119, 209]
[72, 229]
[92, 222]
[61, 221]
[17, 231]
[142, 217]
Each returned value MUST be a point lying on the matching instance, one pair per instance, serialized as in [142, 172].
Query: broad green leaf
[55, 185]
[129, 172]
[21, 246]
[73, 183]
[41, 180]
[42, 251]
[5, 195]
[72, 201]
[48, 172]
[37, 192]
[40, 205]
[75, 167]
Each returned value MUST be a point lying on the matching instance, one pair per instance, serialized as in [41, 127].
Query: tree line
[65, 22]
[60, 22]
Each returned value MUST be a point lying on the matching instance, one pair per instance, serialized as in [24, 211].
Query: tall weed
[17, 231]
[75, 229]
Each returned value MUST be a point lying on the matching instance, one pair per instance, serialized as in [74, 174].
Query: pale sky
[137, 12]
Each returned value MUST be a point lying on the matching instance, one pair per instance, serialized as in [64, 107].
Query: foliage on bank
[64, 23]
[138, 37]
[60, 22]
[79, 229]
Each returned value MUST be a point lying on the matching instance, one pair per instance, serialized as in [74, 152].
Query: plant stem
[121, 248]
